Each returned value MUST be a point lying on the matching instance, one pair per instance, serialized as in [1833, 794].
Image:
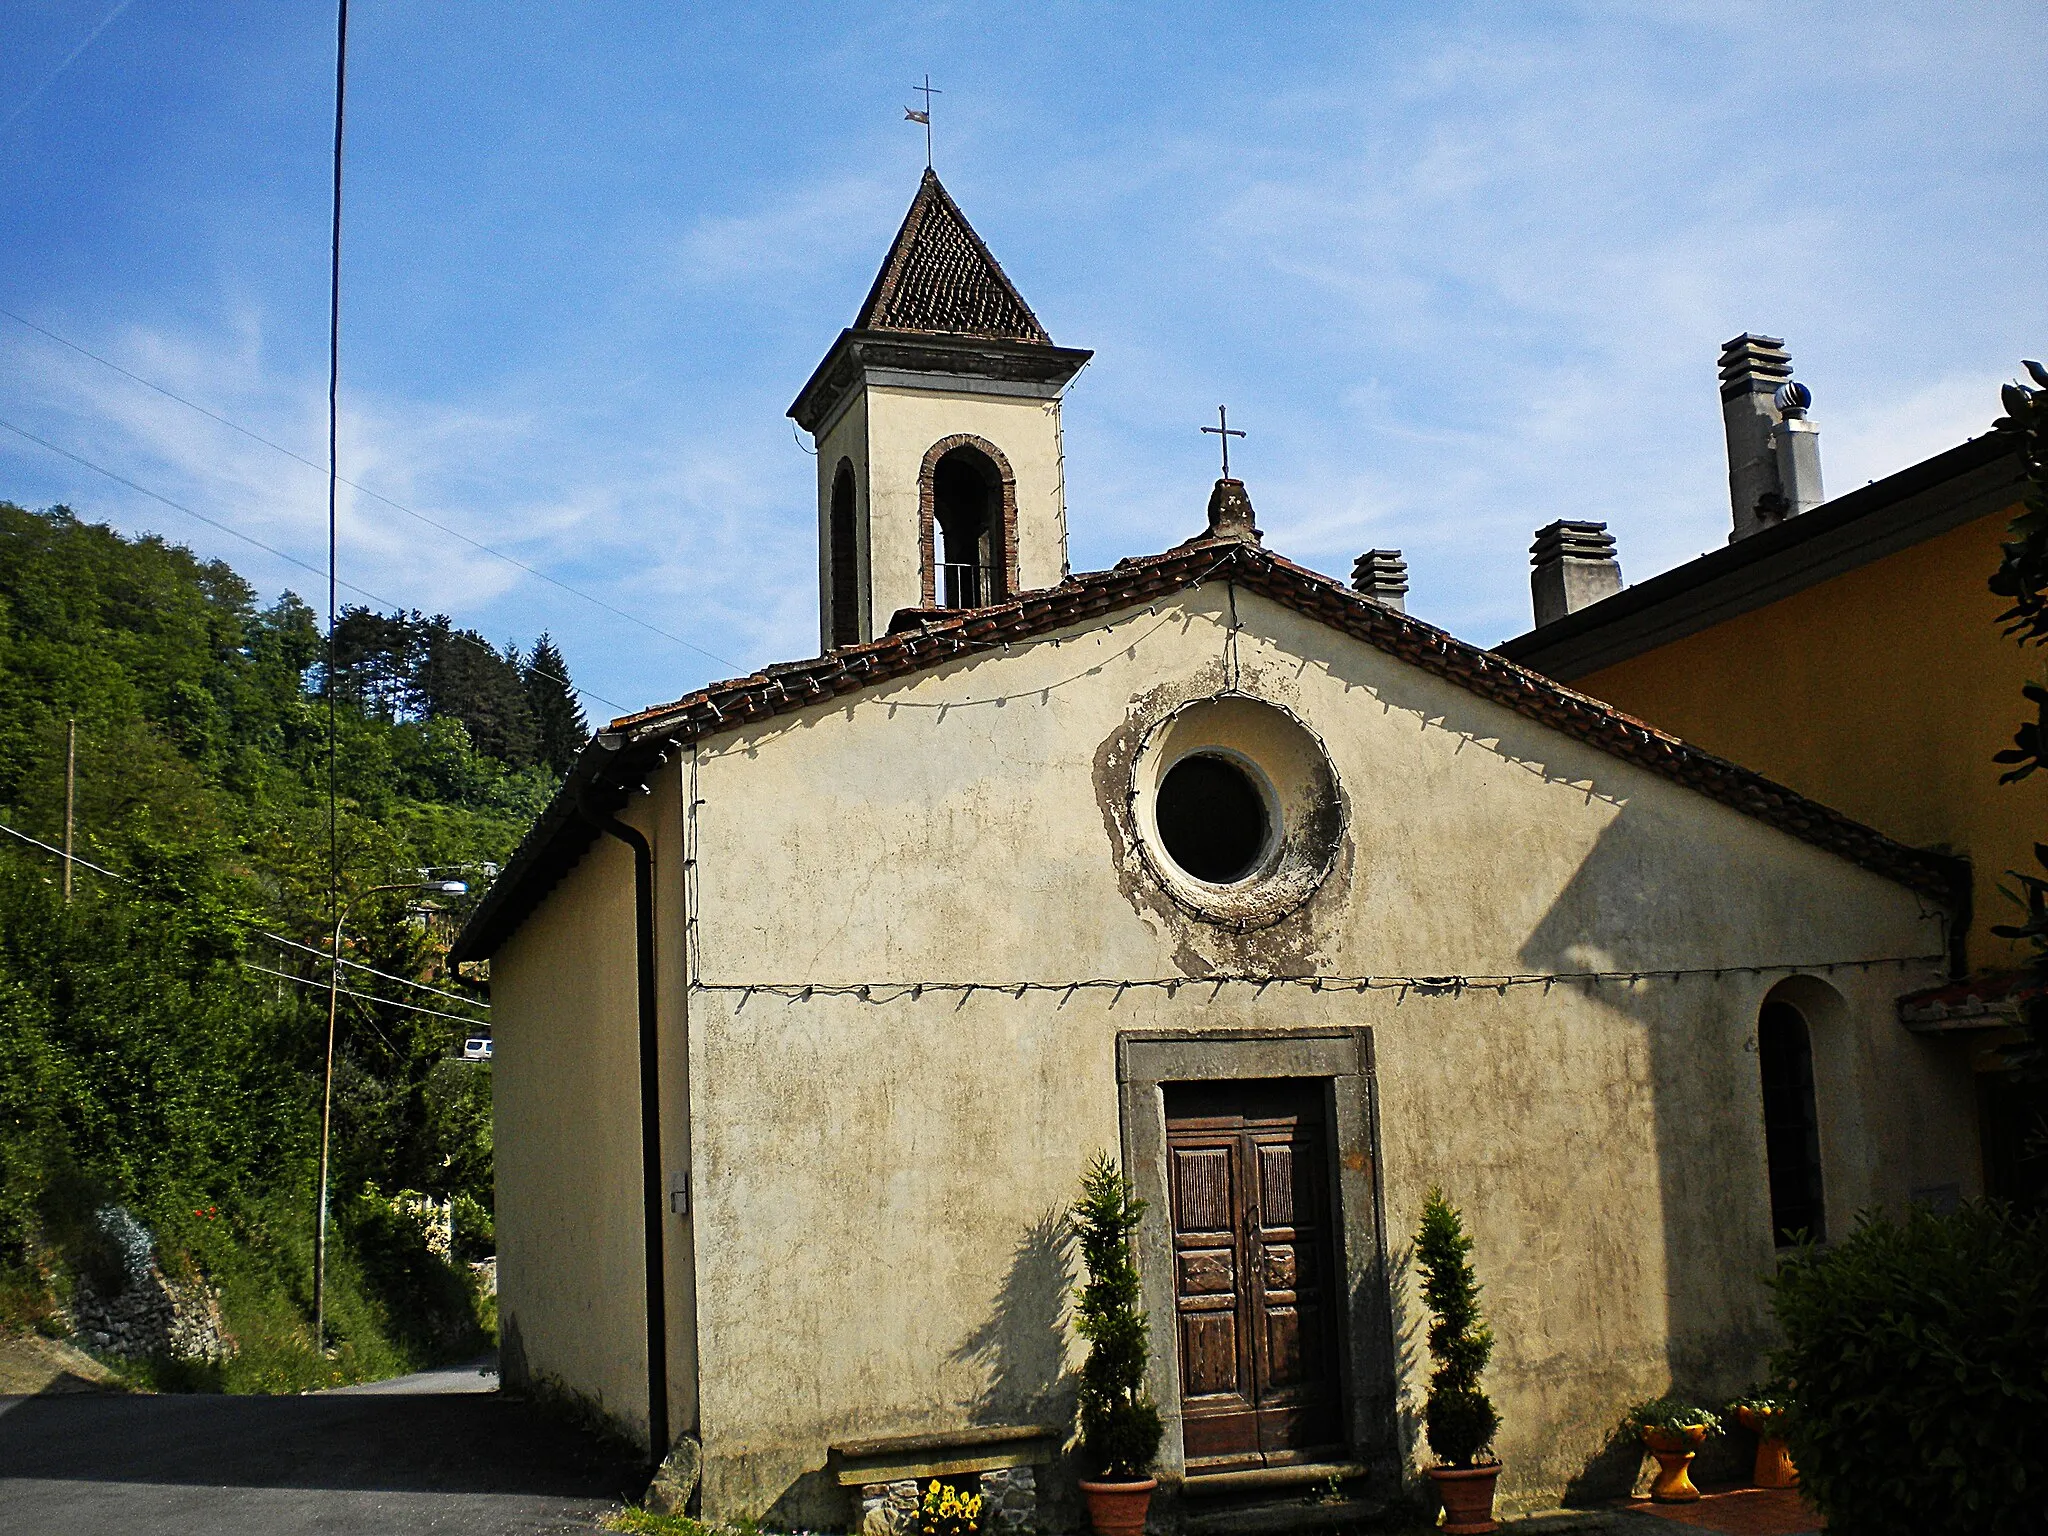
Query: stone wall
[152, 1315]
[144, 1312]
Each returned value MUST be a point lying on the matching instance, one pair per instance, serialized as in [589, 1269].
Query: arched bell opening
[969, 516]
[967, 506]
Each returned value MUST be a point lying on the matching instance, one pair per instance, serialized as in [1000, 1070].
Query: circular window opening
[1212, 818]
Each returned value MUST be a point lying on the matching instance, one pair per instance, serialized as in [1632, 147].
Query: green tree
[1460, 1418]
[558, 724]
[143, 1060]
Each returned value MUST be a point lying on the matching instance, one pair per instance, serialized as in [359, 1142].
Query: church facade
[817, 990]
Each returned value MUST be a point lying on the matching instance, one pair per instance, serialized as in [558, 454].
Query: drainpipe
[650, 1108]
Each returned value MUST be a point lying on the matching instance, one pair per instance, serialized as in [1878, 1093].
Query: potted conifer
[1120, 1429]
[1460, 1418]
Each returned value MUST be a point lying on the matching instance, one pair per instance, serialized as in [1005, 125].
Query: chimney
[1796, 442]
[1574, 565]
[1773, 450]
[1382, 575]
[1230, 513]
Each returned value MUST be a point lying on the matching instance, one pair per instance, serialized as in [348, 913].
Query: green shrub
[1120, 1429]
[1674, 1415]
[426, 1304]
[1917, 1357]
[1460, 1418]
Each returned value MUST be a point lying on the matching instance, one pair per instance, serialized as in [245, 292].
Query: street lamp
[438, 887]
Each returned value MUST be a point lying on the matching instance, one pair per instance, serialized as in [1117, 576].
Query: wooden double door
[1255, 1265]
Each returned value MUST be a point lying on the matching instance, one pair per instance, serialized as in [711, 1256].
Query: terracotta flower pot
[1118, 1509]
[1674, 1450]
[1467, 1494]
[1774, 1467]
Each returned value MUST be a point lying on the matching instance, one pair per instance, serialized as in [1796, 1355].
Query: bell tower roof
[939, 279]
[941, 311]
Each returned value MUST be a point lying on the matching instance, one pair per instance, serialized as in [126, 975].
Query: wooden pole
[70, 797]
[326, 1131]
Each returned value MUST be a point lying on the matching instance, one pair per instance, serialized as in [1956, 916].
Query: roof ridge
[940, 278]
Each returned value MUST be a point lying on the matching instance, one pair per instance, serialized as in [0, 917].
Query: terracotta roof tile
[939, 279]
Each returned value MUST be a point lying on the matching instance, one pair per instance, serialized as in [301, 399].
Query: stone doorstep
[1252, 1480]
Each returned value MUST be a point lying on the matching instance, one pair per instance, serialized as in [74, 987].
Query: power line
[261, 933]
[368, 997]
[179, 506]
[396, 506]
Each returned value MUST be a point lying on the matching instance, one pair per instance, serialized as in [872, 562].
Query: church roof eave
[982, 357]
[640, 742]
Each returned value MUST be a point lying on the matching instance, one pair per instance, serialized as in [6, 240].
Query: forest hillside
[162, 1030]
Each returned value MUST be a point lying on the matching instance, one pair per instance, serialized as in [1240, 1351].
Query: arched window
[967, 506]
[1791, 1125]
[845, 570]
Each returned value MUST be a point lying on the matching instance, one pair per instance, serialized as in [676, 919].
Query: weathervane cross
[911, 114]
[1225, 431]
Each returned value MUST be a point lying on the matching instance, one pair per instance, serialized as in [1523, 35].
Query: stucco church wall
[565, 1089]
[879, 1183]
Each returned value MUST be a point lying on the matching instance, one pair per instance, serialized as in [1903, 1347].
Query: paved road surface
[440, 1452]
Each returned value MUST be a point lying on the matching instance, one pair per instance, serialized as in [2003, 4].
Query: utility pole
[438, 887]
[70, 797]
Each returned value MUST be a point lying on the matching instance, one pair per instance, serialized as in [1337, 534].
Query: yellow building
[1851, 652]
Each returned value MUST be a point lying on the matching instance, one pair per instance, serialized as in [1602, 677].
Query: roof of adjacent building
[1973, 480]
[1994, 1000]
[618, 760]
[939, 279]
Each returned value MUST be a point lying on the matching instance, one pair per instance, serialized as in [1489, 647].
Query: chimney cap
[1793, 399]
[1572, 541]
[1382, 574]
[1753, 364]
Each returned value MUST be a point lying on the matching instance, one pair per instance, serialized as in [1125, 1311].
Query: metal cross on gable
[911, 114]
[1225, 431]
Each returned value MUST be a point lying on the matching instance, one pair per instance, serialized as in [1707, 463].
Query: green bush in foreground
[1917, 1353]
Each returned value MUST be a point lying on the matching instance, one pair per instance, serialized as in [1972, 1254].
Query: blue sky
[1460, 270]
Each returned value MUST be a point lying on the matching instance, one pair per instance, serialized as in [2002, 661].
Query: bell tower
[937, 422]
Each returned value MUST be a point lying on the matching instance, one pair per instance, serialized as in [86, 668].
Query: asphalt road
[442, 1452]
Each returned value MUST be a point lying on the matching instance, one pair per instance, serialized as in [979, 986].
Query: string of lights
[1420, 986]
[1096, 633]
[275, 938]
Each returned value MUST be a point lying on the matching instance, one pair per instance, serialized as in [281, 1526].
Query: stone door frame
[1342, 1058]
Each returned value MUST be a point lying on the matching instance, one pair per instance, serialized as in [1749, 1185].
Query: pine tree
[464, 677]
[558, 724]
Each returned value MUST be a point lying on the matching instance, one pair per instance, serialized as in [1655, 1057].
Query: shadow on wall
[1695, 1045]
[1407, 1327]
[1022, 1348]
[514, 1374]
[1021, 1353]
